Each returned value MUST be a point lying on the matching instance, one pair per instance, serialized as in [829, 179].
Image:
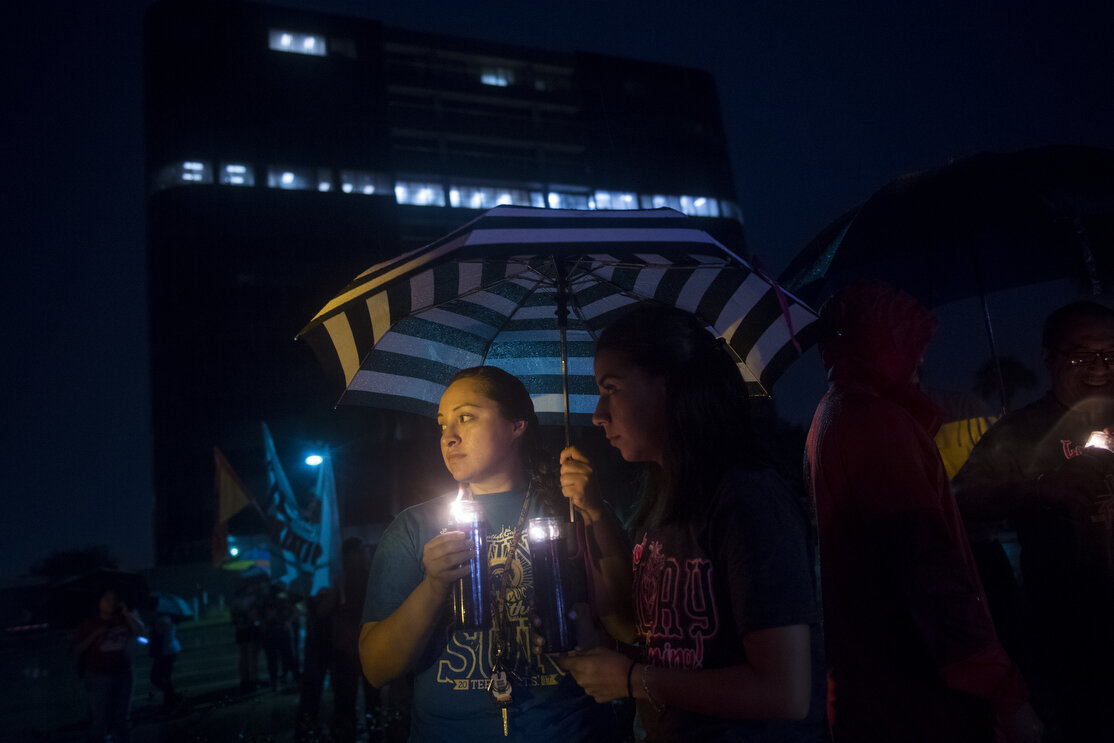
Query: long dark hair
[514, 403]
[707, 410]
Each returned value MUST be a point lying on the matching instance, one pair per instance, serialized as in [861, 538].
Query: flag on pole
[232, 497]
[307, 539]
[326, 491]
[231, 491]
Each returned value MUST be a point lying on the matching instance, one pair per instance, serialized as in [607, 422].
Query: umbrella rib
[478, 290]
[542, 281]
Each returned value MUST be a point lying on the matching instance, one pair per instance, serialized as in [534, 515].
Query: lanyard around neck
[502, 642]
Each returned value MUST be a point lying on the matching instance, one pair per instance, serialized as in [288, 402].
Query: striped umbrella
[492, 292]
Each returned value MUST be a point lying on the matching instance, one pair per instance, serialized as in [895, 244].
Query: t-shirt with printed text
[451, 701]
[698, 591]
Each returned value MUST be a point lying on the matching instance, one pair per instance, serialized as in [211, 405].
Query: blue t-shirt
[451, 701]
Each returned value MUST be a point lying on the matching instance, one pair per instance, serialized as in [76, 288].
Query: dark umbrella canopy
[980, 224]
[491, 292]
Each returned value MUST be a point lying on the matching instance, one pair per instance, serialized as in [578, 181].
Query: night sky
[823, 103]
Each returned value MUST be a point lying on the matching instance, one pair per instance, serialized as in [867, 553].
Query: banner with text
[307, 539]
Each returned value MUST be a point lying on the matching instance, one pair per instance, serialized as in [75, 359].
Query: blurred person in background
[1033, 475]
[104, 645]
[346, 618]
[163, 647]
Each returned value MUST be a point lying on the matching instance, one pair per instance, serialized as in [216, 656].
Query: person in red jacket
[911, 649]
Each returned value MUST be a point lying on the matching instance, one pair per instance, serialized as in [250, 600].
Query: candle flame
[462, 510]
[1101, 440]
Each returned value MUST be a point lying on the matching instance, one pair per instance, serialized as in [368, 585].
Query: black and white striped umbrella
[488, 293]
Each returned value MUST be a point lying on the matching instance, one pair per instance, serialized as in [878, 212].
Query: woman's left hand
[601, 673]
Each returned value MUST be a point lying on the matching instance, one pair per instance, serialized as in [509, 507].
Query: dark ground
[43, 700]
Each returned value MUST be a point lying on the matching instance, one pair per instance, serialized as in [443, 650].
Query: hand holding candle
[603, 674]
[446, 559]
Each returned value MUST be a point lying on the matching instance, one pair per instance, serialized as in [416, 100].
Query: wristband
[646, 688]
[630, 691]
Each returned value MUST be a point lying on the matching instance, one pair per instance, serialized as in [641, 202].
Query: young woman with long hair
[724, 591]
[491, 445]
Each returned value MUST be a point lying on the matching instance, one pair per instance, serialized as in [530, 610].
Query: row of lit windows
[315, 45]
[297, 43]
[428, 193]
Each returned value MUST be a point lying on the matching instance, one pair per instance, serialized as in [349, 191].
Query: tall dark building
[288, 150]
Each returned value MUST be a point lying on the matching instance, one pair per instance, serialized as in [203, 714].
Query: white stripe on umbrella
[554, 404]
[579, 365]
[422, 348]
[458, 321]
[397, 385]
[749, 293]
[695, 288]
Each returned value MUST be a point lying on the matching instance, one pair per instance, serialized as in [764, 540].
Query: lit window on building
[193, 170]
[236, 174]
[419, 194]
[291, 178]
[559, 200]
[657, 201]
[189, 172]
[297, 43]
[486, 197]
[364, 182]
[615, 200]
[699, 206]
[500, 77]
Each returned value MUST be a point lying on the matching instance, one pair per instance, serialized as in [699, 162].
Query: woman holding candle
[724, 592]
[491, 445]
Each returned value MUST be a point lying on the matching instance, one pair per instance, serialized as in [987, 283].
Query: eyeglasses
[1088, 358]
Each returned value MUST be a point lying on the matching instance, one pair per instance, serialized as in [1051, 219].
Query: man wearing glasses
[1033, 473]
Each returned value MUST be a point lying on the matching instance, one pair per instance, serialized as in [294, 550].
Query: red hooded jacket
[911, 648]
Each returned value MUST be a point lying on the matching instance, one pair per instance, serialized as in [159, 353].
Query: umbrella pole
[994, 353]
[989, 330]
[563, 326]
[565, 390]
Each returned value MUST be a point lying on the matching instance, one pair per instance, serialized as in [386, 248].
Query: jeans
[162, 669]
[110, 698]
